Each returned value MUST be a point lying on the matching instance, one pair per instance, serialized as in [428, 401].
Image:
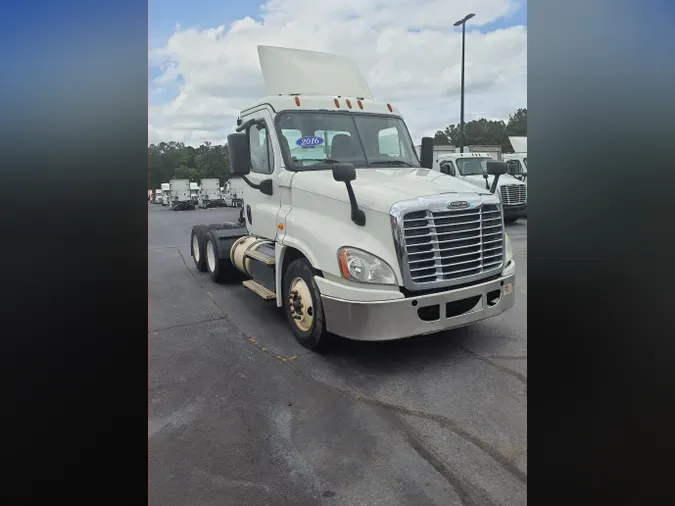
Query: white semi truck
[472, 168]
[181, 196]
[209, 193]
[165, 194]
[234, 193]
[349, 238]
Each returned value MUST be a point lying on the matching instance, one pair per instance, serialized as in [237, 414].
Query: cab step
[256, 287]
[260, 257]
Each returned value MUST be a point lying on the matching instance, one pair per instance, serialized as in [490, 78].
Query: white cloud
[406, 48]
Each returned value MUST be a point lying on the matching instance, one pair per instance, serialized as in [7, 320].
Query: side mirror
[344, 172]
[496, 168]
[240, 156]
[427, 153]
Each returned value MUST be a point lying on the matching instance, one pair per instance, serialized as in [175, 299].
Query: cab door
[261, 205]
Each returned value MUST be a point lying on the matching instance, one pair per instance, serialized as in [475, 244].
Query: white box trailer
[319, 183]
[165, 194]
[209, 193]
[181, 197]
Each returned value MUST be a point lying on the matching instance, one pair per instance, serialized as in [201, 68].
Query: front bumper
[426, 314]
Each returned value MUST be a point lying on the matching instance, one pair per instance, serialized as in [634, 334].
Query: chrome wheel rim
[301, 304]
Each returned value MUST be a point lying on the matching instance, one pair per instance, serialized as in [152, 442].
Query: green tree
[484, 132]
[517, 125]
[441, 138]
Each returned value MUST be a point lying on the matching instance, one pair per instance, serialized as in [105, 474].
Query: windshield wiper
[390, 162]
[324, 160]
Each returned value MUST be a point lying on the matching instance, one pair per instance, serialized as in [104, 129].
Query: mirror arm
[251, 183]
[248, 123]
[265, 185]
[358, 216]
[494, 183]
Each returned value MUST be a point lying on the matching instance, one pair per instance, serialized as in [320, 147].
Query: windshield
[316, 140]
[525, 161]
[472, 166]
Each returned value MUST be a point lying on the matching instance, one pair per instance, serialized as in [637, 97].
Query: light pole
[461, 92]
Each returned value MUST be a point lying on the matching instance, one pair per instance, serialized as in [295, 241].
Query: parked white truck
[234, 193]
[181, 197]
[165, 194]
[472, 168]
[209, 193]
[194, 193]
[351, 239]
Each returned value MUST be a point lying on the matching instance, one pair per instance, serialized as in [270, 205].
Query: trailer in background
[234, 193]
[166, 194]
[194, 192]
[181, 197]
[209, 193]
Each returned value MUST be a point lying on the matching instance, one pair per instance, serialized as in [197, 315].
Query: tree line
[168, 160]
[483, 132]
[176, 160]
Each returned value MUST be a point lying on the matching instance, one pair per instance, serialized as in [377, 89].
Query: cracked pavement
[241, 414]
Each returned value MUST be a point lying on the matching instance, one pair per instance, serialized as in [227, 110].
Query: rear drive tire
[303, 308]
[197, 244]
[221, 269]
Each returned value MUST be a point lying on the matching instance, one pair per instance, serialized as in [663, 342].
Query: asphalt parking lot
[241, 414]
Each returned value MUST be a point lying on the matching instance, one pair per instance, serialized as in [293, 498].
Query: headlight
[509, 248]
[357, 265]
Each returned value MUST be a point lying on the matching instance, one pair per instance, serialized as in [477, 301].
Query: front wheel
[511, 220]
[303, 308]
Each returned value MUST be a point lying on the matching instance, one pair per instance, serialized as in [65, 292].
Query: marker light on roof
[390, 108]
[337, 103]
[349, 103]
[297, 101]
[360, 104]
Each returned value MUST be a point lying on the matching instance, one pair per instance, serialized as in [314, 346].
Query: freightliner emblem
[458, 204]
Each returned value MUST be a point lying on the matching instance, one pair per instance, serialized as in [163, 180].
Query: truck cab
[516, 165]
[472, 168]
[342, 225]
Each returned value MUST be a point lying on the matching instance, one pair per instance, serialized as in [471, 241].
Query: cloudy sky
[204, 66]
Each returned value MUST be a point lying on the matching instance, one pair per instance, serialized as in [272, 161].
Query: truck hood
[379, 189]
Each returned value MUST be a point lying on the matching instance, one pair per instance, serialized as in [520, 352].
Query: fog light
[508, 288]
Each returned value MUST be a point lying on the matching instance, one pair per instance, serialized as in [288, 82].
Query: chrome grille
[452, 245]
[514, 194]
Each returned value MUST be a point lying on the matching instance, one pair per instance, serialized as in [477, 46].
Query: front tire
[511, 220]
[303, 308]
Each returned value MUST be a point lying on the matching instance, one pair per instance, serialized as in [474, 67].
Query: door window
[448, 168]
[260, 147]
[514, 168]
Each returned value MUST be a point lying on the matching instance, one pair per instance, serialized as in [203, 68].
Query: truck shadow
[409, 352]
